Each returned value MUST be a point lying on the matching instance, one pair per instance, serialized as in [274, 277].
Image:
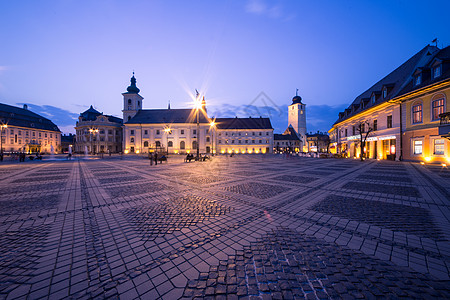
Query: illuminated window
[145, 144]
[438, 147]
[170, 144]
[418, 147]
[438, 108]
[158, 144]
[183, 145]
[417, 113]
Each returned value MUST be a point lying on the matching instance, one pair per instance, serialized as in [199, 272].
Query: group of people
[153, 156]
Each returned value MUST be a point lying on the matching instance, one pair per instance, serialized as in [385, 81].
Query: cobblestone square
[250, 227]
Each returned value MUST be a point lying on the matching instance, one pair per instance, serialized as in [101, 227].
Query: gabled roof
[21, 117]
[397, 80]
[169, 116]
[288, 135]
[243, 123]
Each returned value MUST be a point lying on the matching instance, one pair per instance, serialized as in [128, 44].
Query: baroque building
[25, 131]
[400, 114]
[98, 133]
[182, 131]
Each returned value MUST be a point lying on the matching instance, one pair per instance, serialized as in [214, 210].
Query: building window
[438, 108]
[438, 148]
[207, 138]
[363, 127]
[101, 132]
[129, 118]
[194, 131]
[170, 144]
[182, 131]
[373, 99]
[182, 145]
[417, 113]
[158, 132]
[145, 144]
[417, 147]
[354, 130]
[389, 121]
[194, 145]
[131, 140]
[158, 144]
[384, 93]
[146, 132]
[418, 79]
[139, 103]
[437, 71]
[346, 132]
[131, 132]
[375, 125]
[129, 101]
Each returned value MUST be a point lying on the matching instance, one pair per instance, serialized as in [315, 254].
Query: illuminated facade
[401, 111]
[244, 135]
[98, 133]
[297, 120]
[26, 131]
[288, 142]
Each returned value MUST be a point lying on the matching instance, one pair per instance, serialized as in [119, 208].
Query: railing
[445, 118]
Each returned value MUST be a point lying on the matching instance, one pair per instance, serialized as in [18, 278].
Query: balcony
[444, 126]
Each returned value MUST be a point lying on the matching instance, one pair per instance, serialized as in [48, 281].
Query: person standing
[156, 158]
[150, 156]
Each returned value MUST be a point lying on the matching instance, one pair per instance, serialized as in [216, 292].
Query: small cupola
[133, 88]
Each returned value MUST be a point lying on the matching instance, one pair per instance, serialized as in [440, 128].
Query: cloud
[261, 8]
[318, 117]
[61, 117]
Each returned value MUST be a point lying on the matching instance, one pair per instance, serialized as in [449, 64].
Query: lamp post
[167, 131]
[92, 132]
[3, 126]
[212, 124]
[198, 105]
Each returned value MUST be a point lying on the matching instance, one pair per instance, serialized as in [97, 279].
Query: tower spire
[133, 88]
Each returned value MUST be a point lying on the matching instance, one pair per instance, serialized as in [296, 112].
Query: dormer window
[437, 71]
[418, 79]
[384, 93]
[373, 99]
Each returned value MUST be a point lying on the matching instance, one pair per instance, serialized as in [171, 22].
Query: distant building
[318, 142]
[405, 112]
[297, 120]
[67, 141]
[25, 131]
[98, 133]
[244, 135]
[287, 142]
[176, 131]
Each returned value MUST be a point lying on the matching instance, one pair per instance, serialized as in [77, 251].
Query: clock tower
[297, 119]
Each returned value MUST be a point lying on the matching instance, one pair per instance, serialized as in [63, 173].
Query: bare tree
[363, 129]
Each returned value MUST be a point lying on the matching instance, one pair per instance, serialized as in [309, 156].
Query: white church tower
[132, 101]
[297, 119]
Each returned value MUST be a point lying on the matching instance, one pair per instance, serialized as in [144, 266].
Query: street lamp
[212, 124]
[198, 106]
[3, 126]
[92, 132]
[167, 131]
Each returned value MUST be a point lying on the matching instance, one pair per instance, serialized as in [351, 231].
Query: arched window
[417, 113]
[182, 145]
[129, 101]
[158, 144]
[145, 144]
[437, 106]
[170, 144]
[194, 145]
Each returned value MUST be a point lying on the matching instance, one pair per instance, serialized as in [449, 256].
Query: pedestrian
[150, 156]
[156, 158]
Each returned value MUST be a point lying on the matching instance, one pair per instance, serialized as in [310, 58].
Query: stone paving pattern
[230, 228]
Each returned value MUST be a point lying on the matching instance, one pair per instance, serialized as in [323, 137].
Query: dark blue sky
[66, 55]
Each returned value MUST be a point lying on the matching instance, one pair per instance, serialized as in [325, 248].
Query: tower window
[139, 103]
[129, 101]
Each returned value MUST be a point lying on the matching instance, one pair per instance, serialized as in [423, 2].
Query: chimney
[25, 107]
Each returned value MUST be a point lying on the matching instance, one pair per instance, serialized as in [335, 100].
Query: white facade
[244, 141]
[297, 119]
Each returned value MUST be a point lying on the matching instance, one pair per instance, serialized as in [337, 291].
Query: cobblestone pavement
[251, 227]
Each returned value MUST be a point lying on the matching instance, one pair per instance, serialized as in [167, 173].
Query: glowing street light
[92, 133]
[167, 131]
[3, 126]
[212, 124]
